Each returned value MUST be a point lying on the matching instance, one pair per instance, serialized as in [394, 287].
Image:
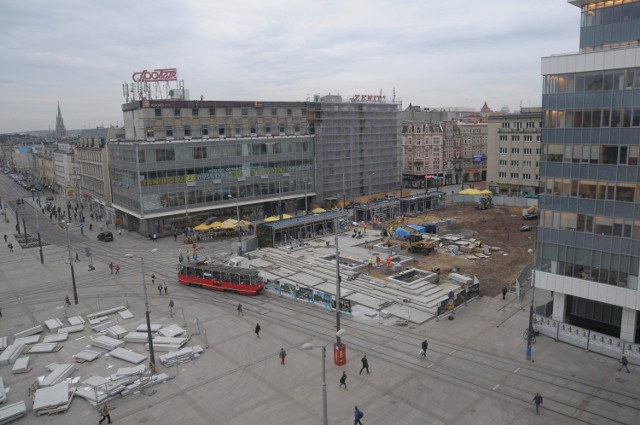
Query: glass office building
[588, 241]
[185, 161]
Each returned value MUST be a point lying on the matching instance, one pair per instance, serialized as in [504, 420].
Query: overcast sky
[434, 53]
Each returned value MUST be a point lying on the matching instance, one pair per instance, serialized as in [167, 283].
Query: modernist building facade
[588, 242]
[513, 152]
[184, 161]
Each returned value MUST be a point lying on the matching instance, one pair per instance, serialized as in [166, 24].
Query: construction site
[486, 242]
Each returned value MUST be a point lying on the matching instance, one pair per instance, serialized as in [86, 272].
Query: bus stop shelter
[294, 229]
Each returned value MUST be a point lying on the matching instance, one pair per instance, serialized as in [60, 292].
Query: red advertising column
[339, 354]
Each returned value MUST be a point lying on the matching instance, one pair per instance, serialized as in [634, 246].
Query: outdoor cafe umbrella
[201, 227]
[318, 210]
[271, 219]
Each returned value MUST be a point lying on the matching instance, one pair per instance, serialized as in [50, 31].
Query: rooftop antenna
[394, 95]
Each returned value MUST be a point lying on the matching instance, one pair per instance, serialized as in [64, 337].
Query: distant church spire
[60, 130]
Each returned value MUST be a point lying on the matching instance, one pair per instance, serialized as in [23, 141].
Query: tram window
[189, 271]
[183, 270]
[199, 273]
[216, 275]
[234, 278]
[224, 276]
[207, 275]
[245, 279]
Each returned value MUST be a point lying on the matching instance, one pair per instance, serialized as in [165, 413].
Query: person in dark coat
[425, 345]
[504, 292]
[257, 331]
[343, 380]
[365, 364]
[538, 401]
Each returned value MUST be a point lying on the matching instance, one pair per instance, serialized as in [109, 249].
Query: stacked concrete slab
[139, 337]
[72, 329]
[11, 353]
[75, 320]
[127, 356]
[54, 399]
[86, 356]
[57, 375]
[53, 324]
[106, 342]
[21, 365]
[27, 340]
[3, 392]
[116, 331]
[181, 356]
[11, 412]
[59, 337]
[97, 389]
[29, 332]
[44, 347]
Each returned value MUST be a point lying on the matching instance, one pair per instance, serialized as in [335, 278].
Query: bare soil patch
[499, 227]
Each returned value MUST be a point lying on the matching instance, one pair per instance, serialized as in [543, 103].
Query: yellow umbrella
[318, 210]
[229, 224]
[244, 223]
[271, 219]
[469, 191]
[215, 225]
[485, 192]
[201, 227]
[286, 216]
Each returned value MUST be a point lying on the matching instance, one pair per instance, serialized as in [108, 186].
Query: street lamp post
[309, 346]
[73, 274]
[152, 357]
[370, 174]
[279, 200]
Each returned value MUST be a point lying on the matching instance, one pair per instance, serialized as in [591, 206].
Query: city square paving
[476, 371]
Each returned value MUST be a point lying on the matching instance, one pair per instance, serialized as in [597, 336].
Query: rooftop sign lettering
[163, 74]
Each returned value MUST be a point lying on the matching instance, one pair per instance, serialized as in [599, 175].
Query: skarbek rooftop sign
[162, 74]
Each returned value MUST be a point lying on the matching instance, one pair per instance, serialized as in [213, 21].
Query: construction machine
[484, 203]
[530, 213]
[418, 245]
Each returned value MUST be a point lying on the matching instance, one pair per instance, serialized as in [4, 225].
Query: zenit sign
[163, 74]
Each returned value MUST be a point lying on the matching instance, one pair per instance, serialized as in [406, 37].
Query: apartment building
[513, 151]
[93, 161]
[588, 241]
[423, 159]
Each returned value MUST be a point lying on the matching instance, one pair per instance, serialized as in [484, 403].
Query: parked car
[105, 236]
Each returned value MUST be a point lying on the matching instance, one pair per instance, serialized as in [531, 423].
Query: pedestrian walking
[67, 301]
[155, 238]
[10, 247]
[240, 312]
[77, 258]
[378, 261]
[282, 355]
[357, 415]
[171, 306]
[160, 289]
[111, 267]
[165, 288]
[117, 268]
[5, 238]
[504, 292]
[175, 236]
[257, 331]
[623, 364]
[104, 411]
[365, 364]
[538, 401]
[343, 380]
[425, 345]
[0, 311]
[153, 279]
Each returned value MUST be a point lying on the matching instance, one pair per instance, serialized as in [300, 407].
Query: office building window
[503, 138]
[503, 162]
[502, 174]
[526, 176]
[517, 125]
[528, 138]
[531, 124]
[205, 130]
[168, 131]
[150, 132]
[212, 112]
[221, 131]
[199, 152]
[194, 112]
[237, 131]
[176, 112]
[158, 112]
[187, 132]
[229, 112]
[515, 138]
[527, 151]
[503, 150]
[526, 163]
[515, 150]
[514, 175]
[267, 130]
[505, 125]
